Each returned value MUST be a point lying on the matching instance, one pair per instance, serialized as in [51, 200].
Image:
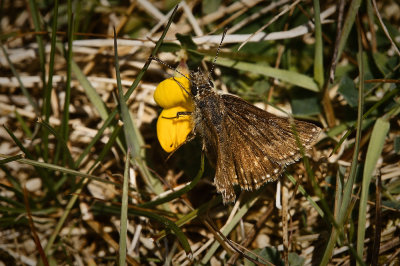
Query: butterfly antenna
[219, 48]
[170, 67]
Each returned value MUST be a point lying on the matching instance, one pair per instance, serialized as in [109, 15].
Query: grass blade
[93, 96]
[238, 216]
[11, 159]
[291, 77]
[53, 167]
[65, 119]
[21, 84]
[133, 138]
[60, 141]
[318, 56]
[375, 147]
[305, 194]
[180, 192]
[35, 15]
[47, 92]
[42, 173]
[124, 214]
[137, 211]
[347, 26]
[348, 189]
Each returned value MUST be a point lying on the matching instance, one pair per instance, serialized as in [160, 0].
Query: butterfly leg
[178, 114]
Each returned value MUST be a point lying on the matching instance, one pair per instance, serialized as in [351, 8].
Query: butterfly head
[200, 83]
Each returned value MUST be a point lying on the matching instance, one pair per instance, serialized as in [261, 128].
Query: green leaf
[186, 41]
[305, 103]
[295, 259]
[169, 47]
[291, 77]
[348, 90]
[381, 61]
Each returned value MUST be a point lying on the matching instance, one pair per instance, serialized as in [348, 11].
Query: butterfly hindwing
[264, 143]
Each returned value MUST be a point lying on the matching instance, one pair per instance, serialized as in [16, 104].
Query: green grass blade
[375, 147]
[124, 214]
[63, 217]
[48, 182]
[136, 211]
[170, 225]
[60, 141]
[180, 192]
[204, 208]
[305, 194]
[153, 53]
[23, 124]
[16, 185]
[21, 84]
[101, 156]
[236, 219]
[85, 181]
[53, 167]
[347, 26]
[35, 15]
[93, 96]
[13, 203]
[133, 138]
[47, 92]
[107, 147]
[65, 119]
[389, 95]
[291, 77]
[318, 56]
[348, 189]
[11, 159]
[94, 140]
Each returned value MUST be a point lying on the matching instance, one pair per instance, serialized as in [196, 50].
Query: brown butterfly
[247, 145]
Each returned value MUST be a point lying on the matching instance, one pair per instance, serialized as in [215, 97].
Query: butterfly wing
[210, 125]
[262, 144]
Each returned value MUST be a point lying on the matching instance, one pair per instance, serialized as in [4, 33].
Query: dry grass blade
[33, 230]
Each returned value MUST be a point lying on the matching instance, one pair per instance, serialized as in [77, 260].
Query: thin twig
[270, 22]
[384, 28]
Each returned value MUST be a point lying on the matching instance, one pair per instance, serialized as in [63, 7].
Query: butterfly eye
[194, 90]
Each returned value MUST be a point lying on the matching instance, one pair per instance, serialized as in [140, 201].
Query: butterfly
[247, 146]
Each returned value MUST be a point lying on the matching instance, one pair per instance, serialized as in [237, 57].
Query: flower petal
[172, 131]
[171, 92]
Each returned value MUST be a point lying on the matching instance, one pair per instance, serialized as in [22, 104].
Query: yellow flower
[172, 95]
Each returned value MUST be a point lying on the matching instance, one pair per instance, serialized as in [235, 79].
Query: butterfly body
[247, 145]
